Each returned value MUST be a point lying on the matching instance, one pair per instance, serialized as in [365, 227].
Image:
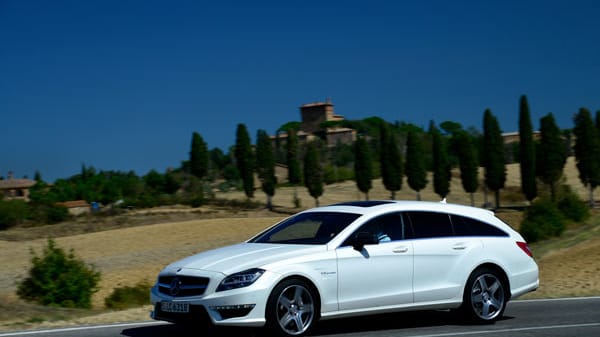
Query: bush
[12, 213]
[542, 220]
[128, 297]
[571, 206]
[59, 279]
[334, 174]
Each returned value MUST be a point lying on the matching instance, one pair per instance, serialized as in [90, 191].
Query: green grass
[574, 235]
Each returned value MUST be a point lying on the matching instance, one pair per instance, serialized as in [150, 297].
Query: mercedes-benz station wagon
[348, 259]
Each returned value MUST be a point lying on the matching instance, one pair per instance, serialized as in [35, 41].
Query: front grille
[182, 286]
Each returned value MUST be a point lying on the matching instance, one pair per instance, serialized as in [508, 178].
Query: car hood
[242, 256]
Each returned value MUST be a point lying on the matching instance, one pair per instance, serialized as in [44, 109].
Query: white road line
[557, 299]
[533, 328]
[79, 328]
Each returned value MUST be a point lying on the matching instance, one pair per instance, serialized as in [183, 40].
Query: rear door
[442, 260]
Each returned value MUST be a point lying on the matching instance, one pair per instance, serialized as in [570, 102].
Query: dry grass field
[126, 254]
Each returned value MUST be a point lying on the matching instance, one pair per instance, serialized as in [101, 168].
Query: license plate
[175, 307]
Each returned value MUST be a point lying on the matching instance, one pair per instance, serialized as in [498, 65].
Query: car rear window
[430, 224]
[465, 226]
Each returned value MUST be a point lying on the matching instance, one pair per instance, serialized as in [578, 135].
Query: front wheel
[292, 309]
[485, 297]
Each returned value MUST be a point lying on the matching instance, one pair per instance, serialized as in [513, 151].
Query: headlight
[241, 279]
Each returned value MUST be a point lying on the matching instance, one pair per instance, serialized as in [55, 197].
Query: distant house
[313, 116]
[513, 137]
[76, 207]
[16, 188]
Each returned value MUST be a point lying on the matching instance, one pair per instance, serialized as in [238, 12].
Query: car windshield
[311, 228]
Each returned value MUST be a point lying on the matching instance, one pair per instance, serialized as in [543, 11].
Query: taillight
[525, 248]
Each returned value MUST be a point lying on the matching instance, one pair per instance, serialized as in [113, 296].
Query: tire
[292, 308]
[485, 297]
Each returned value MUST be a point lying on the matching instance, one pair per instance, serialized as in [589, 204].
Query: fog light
[232, 311]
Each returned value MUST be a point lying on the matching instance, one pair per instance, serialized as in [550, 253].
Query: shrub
[128, 297]
[59, 279]
[12, 213]
[571, 205]
[334, 174]
[542, 220]
[56, 214]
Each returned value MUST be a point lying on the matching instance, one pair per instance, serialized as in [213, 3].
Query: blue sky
[121, 85]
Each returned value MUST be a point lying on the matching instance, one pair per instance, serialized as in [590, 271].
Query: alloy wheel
[295, 310]
[487, 297]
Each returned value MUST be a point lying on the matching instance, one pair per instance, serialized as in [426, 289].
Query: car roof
[383, 206]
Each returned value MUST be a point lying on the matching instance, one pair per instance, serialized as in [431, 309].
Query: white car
[348, 259]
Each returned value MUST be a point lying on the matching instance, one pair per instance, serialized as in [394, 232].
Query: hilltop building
[314, 116]
[12, 188]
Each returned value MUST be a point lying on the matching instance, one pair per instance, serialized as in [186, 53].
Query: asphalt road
[538, 318]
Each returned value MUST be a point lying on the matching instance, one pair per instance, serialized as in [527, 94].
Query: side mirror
[362, 239]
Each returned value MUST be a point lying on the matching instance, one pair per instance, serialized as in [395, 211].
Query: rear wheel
[292, 309]
[485, 297]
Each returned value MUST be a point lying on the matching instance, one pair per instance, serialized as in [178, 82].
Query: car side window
[387, 227]
[430, 224]
[465, 226]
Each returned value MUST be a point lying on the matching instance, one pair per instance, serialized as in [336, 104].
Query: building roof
[9, 184]
[74, 204]
[308, 105]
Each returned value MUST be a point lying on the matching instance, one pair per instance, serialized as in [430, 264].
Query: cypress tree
[198, 156]
[416, 174]
[526, 151]
[587, 151]
[551, 155]
[391, 161]
[265, 165]
[467, 158]
[245, 159]
[493, 155]
[363, 166]
[293, 164]
[313, 172]
[441, 167]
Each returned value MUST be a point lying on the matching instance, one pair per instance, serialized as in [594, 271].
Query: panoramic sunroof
[369, 203]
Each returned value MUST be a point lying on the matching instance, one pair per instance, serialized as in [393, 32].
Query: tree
[467, 158]
[416, 174]
[391, 161]
[313, 172]
[58, 278]
[265, 165]
[441, 167]
[363, 166]
[551, 156]
[587, 151]
[526, 151]
[198, 156]
[493, 155]
[293, 164]
[245, 159]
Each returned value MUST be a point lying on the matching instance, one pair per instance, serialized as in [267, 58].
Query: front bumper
[237, 307]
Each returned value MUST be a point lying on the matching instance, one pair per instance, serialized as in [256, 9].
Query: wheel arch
[309, 282]
[501, 272]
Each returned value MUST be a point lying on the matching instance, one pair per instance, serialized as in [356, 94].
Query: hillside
[127, 254]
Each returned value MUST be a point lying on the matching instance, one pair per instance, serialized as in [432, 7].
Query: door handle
[402, 249]
[459, 246]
